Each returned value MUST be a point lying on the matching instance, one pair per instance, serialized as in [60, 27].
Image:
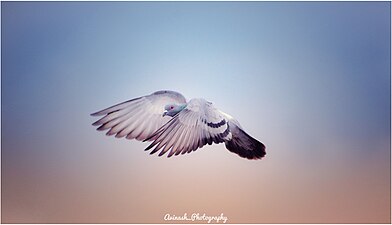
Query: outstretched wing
[138, 118]
[195, 126]
[243, 144]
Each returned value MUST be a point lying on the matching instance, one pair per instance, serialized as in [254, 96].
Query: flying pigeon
[167, 120]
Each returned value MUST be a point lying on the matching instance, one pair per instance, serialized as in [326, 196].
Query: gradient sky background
[311, 80]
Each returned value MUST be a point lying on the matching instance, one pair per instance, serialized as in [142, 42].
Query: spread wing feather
[137, 118]
[196, 125]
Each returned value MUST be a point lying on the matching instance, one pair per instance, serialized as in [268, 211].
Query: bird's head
[172, 109]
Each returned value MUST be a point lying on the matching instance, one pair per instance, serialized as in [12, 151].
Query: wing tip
[256, 152]
[99, 113]
[95, 123]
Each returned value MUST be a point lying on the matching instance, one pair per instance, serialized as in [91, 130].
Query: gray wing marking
[192, 128]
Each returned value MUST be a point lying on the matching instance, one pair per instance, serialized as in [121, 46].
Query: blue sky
[311, 80]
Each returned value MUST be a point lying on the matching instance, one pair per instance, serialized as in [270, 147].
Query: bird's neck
[182, 107]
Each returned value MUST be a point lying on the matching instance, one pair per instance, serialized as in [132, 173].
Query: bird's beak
[164, 114]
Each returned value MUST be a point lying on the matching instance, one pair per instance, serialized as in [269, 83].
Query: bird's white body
[182, 128]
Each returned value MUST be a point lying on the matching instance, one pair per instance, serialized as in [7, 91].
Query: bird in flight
[167, 120]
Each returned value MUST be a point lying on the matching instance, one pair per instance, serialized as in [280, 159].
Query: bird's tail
[243, 144]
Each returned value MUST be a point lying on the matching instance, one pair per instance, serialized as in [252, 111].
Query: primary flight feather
[176, 126]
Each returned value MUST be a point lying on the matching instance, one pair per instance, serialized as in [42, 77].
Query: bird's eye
[171, 107]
